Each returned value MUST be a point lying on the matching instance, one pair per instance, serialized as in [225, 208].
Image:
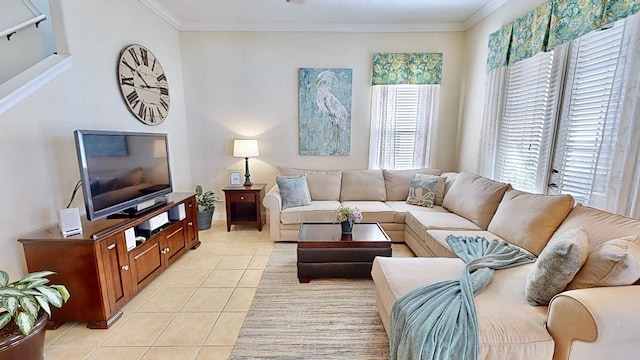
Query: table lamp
[246, 149]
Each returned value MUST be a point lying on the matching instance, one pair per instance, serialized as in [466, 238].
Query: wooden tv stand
[99, 271]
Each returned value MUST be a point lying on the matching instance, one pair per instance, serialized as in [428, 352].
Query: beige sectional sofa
[596, 318]
[379, 194]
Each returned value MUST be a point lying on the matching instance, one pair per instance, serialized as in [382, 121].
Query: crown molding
[172, 20]
[163, 12]
[483, 13]
[320, 27]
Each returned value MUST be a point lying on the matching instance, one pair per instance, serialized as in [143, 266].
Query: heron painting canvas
[325, 111]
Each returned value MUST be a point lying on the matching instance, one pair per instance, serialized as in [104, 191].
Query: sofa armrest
[597, 323]
[273, 201]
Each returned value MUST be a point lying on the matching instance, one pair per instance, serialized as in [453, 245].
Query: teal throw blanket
[439, 321]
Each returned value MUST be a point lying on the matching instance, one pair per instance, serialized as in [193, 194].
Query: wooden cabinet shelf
[99, 271]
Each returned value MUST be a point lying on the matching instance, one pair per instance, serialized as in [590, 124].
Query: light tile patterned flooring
[194, 310]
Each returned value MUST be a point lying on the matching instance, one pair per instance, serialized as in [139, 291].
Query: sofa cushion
[613, 263]
[421, 221]
[323, 184]
[475, 198]
[293, 191]
[422, 192]
[318, 211]
[440, 185]
[450, 178]
[529, 220]
[509, 327]
[556, 266]
[367, 185]
[400, 209]
[373, 211]
[396, 182]
[600, 225]
[440, 236]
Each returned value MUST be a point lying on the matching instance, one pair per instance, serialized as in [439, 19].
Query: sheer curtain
[494, 102]
[623, 183]
[395, 141]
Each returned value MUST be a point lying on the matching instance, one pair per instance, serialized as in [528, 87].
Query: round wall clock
[143, 84]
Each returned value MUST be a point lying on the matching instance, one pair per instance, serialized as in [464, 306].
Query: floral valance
[552, 24]
[407, 68]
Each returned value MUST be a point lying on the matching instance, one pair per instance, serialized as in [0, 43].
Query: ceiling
[323, 15]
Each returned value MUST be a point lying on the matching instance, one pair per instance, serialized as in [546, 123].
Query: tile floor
[194, 310]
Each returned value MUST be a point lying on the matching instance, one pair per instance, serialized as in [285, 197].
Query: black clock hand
[142, 77]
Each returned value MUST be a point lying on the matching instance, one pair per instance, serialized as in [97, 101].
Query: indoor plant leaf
[25, 322]
[4, 278]
[30, 306]
[36, 275]
[53, 296]
[10, 292]
[10, 304]
[63, 291]
[36, 282]
[5, 318]
[44, 304]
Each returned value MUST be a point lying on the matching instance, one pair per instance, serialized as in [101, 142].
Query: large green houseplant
[24, 311]
[206, 203]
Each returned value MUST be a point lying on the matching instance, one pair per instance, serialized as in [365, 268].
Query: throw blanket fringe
[439, 321]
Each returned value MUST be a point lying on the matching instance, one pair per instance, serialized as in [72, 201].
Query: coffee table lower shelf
[337, 256]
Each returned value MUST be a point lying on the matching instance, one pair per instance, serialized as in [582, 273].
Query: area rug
[323, 319]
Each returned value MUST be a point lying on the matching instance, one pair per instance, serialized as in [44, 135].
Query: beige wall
[37, 153]
[474, 73]
[245, 85]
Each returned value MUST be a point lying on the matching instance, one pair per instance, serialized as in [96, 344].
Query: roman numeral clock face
[143, 84]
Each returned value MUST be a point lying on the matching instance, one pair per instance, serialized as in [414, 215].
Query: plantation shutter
[527, 124]
[583, 158]
[406, 115]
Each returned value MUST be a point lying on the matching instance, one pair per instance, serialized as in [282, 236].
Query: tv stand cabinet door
[175, 242]
[117, 271]
[192, 223]
[145, 262]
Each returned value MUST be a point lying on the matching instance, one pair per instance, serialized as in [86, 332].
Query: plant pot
[347, 227]
[16, 346]
[204, 219]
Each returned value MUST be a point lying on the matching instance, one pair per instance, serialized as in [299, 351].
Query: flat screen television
[123, 173]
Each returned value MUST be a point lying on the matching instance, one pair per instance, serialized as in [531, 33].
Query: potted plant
[206, 201]
[24, 311]
[347, 216]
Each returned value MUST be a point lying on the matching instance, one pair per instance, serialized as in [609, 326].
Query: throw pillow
[556, 266]
[613, 263]
[439, 186]
[293, 191]
[422, 192]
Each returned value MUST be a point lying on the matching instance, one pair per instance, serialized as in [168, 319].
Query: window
[560, 127]
[526, 127]
[581, 156]
[402, 126]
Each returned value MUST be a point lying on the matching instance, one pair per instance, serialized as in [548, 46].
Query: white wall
[37, 153]
[473, 91]
[245, 85]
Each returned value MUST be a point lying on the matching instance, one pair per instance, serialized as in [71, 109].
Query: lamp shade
[245, 148]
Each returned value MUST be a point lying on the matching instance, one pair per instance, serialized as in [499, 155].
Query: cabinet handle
[167, 250]
[241, 197]
[125, 267]
[190, 205]
[111, 247]
[190, 223]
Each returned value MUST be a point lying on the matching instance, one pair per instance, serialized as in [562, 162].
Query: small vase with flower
[347, 216]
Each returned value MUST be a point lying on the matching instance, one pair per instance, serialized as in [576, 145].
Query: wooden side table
[244, 205]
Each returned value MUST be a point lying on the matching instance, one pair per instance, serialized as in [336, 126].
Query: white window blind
[582, 158]
[402, 126]
[527, 125]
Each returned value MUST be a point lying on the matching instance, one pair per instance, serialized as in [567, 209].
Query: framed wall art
[325, 111]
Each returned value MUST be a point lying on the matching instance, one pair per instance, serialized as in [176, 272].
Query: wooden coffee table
[324, 252]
